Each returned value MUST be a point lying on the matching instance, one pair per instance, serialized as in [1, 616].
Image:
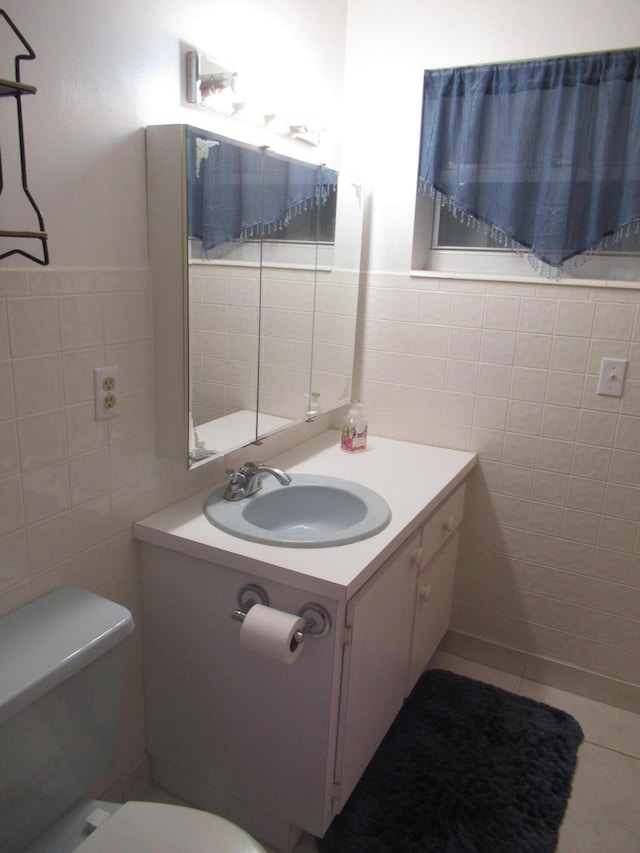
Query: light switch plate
[612, 372]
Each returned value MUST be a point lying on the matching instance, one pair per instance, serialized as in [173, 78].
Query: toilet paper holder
[317, 618]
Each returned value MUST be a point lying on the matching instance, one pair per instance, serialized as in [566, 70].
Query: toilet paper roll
[270, 632]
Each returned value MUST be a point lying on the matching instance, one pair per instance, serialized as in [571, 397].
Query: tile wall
[305, 318]
[71, 486]
[550, 557]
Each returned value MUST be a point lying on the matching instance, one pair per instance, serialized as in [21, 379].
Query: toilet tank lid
[48, 640]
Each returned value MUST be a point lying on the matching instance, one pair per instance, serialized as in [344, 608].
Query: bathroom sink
[311, 512]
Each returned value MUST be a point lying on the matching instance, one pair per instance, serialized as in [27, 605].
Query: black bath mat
[465, 768]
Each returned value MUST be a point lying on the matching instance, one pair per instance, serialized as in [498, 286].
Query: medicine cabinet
[255, 262]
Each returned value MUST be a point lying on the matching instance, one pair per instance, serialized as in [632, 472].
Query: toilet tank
[61, 666]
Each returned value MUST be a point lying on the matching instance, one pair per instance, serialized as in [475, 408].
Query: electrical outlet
[106, 392]
[612, 371]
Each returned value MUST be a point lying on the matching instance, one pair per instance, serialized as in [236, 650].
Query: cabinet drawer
[441, 526]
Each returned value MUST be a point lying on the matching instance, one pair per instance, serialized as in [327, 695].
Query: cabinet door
[376, 664]
[433, 606]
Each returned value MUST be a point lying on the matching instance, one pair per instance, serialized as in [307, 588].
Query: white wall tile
[467, 310]
[555, 455]
[628, 433]
[501, 312]
[80, 321]
[529, 384]
[611, 565]
[613, 322]
[11, 505]
[464, 343]
[537, 315]
[524, 417]
[37, 384]
[585, 494]
[559, 422]
[42, 439]
[77, 368]
[49, 542]
[498, 347]
[89, 475]
[521, 449]
[589, 461]
[570, 354]
[575, 318]
[91, 522]
[46, 491]
[434, 307]
[564, 389]
[393, 336]
[126, 317]
[9, 458]
[533, 350]
[33, 325]
[389, 304]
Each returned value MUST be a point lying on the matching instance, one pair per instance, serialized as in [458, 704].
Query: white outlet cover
[106, 392]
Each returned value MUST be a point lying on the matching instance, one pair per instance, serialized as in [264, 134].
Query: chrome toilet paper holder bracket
[316, 617]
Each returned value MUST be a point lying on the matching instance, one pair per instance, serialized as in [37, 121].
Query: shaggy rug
[465, 768]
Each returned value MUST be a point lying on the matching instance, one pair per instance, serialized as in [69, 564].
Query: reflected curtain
[547, 152]
[236, 192]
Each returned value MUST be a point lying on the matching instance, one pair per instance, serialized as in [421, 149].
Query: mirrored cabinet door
[253, 317]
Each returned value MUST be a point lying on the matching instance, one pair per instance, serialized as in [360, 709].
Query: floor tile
[461, 666]
[603, 813]
[602, 724]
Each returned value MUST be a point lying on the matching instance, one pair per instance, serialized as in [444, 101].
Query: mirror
[263, 310]
[224, 90]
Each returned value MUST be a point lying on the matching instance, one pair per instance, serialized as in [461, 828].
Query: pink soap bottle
[354, 429]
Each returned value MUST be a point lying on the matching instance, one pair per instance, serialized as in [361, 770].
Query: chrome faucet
[247, 480]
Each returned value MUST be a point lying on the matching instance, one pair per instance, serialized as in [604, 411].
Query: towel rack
[16, 89]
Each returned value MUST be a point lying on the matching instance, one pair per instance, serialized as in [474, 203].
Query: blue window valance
[547, 152]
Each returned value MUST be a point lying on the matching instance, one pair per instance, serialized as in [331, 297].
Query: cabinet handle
[418, 559]
[424, 592]
[448, 524]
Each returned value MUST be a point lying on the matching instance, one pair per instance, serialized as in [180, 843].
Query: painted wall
[550, 562]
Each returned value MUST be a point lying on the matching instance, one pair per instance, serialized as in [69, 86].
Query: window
[445, 242]
[495, 192]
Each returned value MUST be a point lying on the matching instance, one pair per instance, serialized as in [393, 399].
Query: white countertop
[413, 478]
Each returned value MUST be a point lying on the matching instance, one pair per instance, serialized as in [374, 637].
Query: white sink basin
[311, 512]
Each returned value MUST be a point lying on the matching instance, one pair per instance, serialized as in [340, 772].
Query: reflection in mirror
[221, 89]
[252, 214]
[243, 317]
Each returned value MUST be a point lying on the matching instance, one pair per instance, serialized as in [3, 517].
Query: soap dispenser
[354, 429]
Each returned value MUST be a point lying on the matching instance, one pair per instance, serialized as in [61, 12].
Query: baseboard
[564, 676]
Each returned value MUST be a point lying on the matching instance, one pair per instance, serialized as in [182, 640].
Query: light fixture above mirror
[223, 90]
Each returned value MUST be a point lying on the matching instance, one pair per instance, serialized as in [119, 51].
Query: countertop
[413, 478]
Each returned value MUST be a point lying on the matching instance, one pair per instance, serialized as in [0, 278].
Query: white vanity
[278, 748]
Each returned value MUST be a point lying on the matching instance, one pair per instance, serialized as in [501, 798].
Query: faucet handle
[236, 485]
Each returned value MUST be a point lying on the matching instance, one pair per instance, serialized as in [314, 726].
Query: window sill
[526, 279]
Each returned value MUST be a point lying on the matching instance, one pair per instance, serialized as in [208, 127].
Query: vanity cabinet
[279, 748]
